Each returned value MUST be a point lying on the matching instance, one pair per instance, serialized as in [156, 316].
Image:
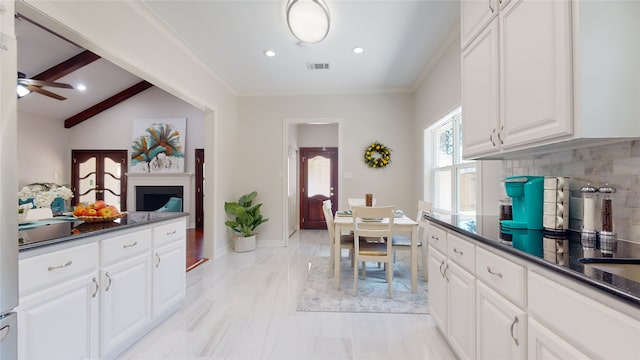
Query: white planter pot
[244, 244]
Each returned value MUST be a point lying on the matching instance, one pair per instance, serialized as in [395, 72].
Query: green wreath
[377, 155]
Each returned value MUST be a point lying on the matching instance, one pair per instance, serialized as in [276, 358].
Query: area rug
[319, 294]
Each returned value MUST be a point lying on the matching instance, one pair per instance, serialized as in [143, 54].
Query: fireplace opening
[151, 198]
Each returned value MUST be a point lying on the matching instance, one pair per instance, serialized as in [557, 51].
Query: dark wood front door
[318, 182]
[199, 188]
[99, 175]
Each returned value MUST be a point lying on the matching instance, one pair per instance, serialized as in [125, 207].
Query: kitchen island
[91, 290]
[493, 295]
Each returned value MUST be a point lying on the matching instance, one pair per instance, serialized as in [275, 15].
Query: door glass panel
[87, 183]
[112, 176]
[319, 176]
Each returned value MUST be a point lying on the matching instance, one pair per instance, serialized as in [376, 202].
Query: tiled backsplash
[617, 164]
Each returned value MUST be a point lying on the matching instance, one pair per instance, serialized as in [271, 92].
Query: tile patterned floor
[243, 306]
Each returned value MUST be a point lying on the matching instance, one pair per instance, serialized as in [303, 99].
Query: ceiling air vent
[317, 66]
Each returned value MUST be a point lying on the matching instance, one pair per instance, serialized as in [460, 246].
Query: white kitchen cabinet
[516, 78]
[474, 17]
[544, 344]
[125, 305]
[437, 288]
[564, 66]
[452, 289]
[61, 321]
[461, 288]
[168, 278]
[501, 326]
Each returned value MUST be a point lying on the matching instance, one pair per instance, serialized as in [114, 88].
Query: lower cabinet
[61, 321]
[437, 288]
[461, 295]
[125, 303]
[95, 300]
[168, 278]
[501, 326]
[545, 344]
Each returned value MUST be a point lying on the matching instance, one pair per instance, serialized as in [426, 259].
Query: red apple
[99, 204]
[92, 212]
[114, 210]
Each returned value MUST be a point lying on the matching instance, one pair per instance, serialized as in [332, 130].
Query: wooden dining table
[402, 223]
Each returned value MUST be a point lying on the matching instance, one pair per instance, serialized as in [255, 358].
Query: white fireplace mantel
[159, 179]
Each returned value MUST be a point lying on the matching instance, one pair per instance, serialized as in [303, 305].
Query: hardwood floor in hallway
[243, 306]
[195, 248]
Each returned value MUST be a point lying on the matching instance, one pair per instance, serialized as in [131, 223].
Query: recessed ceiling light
[357, 50]
[81, 87]
[270, 53]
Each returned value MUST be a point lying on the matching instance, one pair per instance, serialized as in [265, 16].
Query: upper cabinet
[537, 73]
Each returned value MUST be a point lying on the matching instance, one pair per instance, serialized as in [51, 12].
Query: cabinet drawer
[437, 238]
[504, 276]
[123, 246]
[167, 233]
[593, 327]
[41, 271]
[462, 252]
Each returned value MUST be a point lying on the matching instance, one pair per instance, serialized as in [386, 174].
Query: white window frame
[430, 170]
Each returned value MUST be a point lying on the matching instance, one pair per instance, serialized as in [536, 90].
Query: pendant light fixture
[308, 20]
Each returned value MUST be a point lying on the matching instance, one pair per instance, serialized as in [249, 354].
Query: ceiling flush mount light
[81, 87]
[269, 53]
[308, 20]
[357, 50]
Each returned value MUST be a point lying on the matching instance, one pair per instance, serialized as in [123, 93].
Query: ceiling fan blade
[45, 92]
[44, 83]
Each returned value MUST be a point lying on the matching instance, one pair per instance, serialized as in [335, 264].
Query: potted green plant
[245, 219]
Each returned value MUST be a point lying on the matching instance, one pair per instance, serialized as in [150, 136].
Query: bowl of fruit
[98, 211]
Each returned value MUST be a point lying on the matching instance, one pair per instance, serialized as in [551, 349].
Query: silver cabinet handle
[445, 272]
[513, 325]
[435, 237]
[130, 245]
[441, 265]
[109, 284]
[95, 282]
[4, 332]
[491, 137]
[458, 251]
[68, 263]
[171, 232]
[500, 136]
[491, 7]
[493, 273]
[157, 257]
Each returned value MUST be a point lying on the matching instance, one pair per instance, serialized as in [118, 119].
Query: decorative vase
[244, 244]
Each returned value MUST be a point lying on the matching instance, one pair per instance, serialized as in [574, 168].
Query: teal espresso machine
[525, 228]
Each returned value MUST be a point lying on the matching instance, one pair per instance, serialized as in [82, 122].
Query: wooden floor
[195, 248]
[243, 306]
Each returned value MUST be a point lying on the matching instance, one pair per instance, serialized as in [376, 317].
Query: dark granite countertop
[51, 234]
[486, 229]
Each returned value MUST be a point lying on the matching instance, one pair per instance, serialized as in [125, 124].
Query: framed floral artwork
[157, 145]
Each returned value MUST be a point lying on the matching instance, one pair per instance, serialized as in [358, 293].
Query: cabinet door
[461, 293]
[474, 16]
[536, 81]
[168, 277]
[437, 288]
[501, 328]
[480, 94]
[60, 322]
[125, 308]
[544, 344]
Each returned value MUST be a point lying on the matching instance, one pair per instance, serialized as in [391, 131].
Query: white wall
[387, 118]
[318, 135]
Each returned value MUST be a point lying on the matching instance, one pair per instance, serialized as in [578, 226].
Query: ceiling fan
[36, 86]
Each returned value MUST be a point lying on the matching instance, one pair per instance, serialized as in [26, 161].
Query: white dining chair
[373, 223]
[346, 240]
[403, 241]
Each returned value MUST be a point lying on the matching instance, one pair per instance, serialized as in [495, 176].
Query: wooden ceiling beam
[104, 105]
[68, 66]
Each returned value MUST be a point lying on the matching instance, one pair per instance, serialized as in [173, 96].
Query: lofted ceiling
[400, 40]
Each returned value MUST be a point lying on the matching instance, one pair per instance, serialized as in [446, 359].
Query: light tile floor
[243, 306]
